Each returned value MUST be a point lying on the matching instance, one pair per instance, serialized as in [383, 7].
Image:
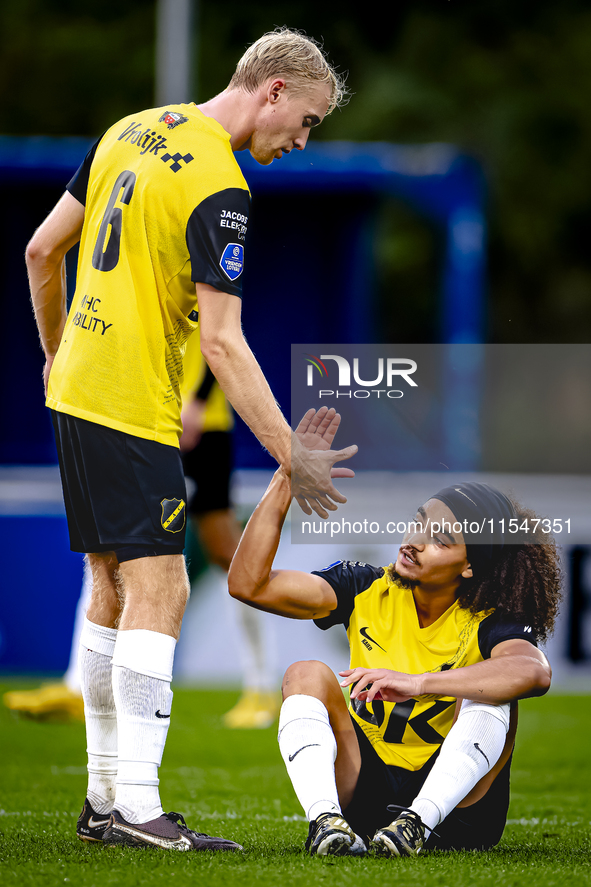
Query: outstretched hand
[381, 683]
[317, 431]
[313, 462]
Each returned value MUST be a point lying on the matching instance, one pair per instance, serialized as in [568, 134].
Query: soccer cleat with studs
[405, 836]
[91, 825]
[330, 835]
[168, 832]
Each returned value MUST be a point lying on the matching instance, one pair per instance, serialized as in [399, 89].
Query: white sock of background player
[72, 675]
[258, 673]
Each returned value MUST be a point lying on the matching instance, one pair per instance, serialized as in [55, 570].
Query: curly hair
[525, 583]
[296, 56]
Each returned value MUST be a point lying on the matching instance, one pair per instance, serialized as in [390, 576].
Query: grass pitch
[233, 783]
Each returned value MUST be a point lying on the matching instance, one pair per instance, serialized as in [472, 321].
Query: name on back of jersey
[148, 141]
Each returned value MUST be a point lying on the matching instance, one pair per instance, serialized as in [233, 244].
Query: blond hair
[295, 56]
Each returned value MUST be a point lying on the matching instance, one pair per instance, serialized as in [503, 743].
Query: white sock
[257, 674]
[309, 749]
[97, 645]
[470, 750]
[142, 671]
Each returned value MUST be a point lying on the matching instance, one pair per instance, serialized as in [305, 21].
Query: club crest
[173, 515]
[172, 119]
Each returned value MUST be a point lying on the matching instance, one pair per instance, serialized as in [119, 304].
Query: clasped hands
[313, 462]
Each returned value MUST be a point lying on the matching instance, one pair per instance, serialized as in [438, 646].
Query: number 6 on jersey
[106, 250]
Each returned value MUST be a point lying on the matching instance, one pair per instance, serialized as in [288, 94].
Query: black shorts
[122, 493]
[209, 465]
[477, 827]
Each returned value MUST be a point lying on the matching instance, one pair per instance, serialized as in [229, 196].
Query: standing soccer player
[161, 211]
[442, 643]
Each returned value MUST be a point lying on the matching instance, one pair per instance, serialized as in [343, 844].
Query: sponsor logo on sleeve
[238, 222]
[232, 260]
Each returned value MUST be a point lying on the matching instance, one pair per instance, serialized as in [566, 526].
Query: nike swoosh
[363, 633]
[457, 489]
[158, 715]
[477, 747]
[291, 757]
[180, 843]
[96, 823]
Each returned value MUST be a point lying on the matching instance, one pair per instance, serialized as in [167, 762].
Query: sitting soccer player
[443, 644]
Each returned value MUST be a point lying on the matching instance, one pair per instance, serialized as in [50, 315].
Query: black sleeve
[348, 579]
[497, 628]
[215, 237]
[207, 384]
[78, 184]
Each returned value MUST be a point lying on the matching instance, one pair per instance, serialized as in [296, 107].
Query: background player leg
[258, 706]
[260, 701]
[321, 753]
[72, 675]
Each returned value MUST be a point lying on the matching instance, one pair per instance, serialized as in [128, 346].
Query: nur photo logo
[387, 373]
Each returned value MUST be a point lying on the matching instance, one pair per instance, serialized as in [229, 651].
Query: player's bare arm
[516, 670]
[242, 380]
[45, 257]
[252, 579]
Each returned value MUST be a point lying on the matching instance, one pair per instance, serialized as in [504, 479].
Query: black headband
[484, 514]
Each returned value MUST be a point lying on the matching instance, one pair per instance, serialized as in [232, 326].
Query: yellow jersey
[166, 206]
[384, 632]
